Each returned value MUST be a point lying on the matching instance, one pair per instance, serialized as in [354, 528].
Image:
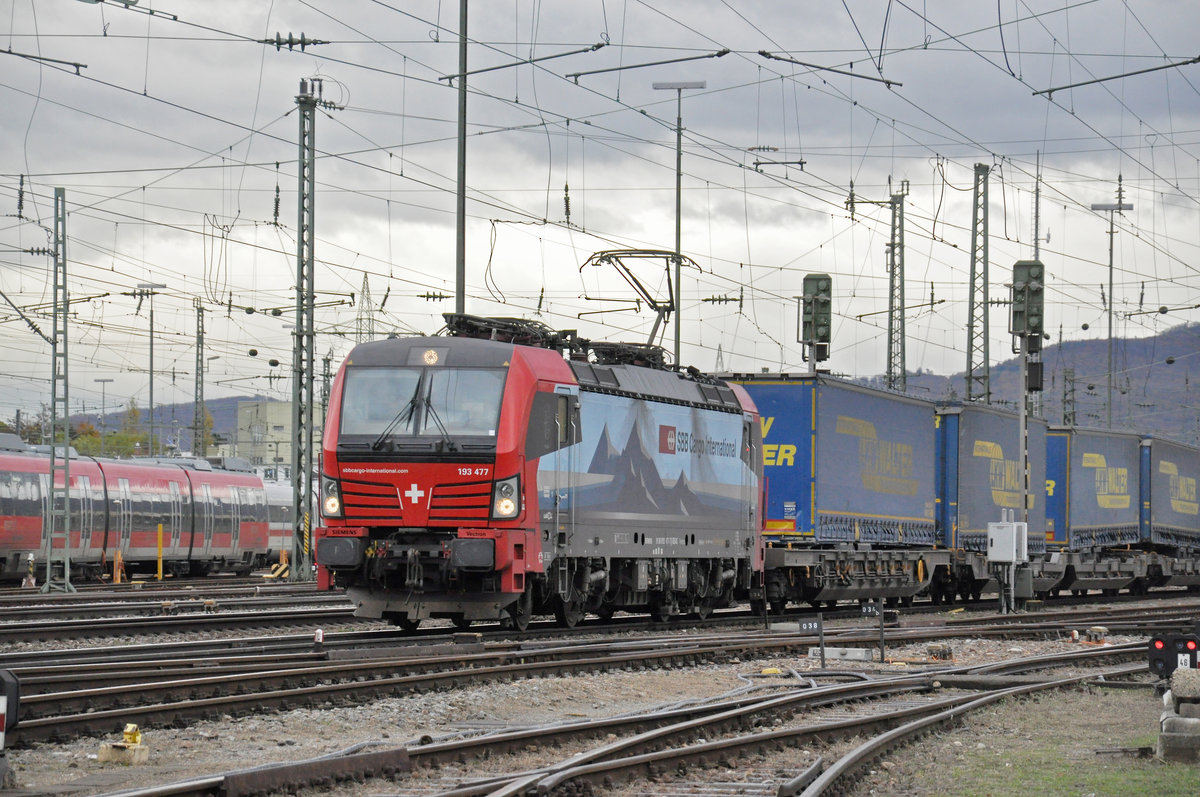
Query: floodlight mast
[678, 87]
[1111, 208]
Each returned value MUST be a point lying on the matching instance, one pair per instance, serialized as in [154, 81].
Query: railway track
[157, 687]
[196, 623]
[689, 748]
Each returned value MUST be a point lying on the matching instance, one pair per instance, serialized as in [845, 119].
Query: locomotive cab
[423, 489]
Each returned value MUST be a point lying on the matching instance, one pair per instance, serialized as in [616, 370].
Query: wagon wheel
[703, 609]
[460, 622]
[663, 606]
[778, 605]
[606, 611]
[520, 613]
[407, 624]
[569, 612]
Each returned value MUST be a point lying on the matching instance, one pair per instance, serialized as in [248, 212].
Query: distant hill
[1152, 390]
[168, 417]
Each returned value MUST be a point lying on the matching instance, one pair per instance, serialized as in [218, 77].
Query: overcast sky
[174, 134]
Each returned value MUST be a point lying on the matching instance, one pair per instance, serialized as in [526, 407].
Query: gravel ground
[212, 747]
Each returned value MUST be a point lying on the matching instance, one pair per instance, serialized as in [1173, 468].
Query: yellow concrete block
[121, 753]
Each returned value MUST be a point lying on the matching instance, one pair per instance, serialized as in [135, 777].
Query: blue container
[1092, 486]
[1170, 512]
[845, 463]
[981, 475]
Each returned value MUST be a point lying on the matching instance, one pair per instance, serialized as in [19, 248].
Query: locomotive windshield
[391, 404]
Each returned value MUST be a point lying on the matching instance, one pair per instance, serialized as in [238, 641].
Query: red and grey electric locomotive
[504, 470]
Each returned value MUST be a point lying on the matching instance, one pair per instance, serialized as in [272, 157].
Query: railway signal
[1027, 301]
[1169, 652]
[816, 317]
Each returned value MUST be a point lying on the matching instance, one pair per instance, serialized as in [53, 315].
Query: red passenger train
[211, 518]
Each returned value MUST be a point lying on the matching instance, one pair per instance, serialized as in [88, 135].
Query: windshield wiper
[447, 441]
[403, 415]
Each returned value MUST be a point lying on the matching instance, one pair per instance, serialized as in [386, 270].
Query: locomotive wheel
[520, 613]
[460, 622]
[606, 612]
[407, 624]
[778, 605]
[906, 601]
[703, 609]
[568, 612]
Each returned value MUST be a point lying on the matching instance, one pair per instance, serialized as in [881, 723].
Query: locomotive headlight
[331, 497]
[505, 498]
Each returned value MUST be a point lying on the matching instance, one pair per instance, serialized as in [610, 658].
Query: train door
[566, 424]
[87, 515]
[751, 442]
[176, 514]
[235, 517]
[124, 514]
[207, 518]
[43, 483]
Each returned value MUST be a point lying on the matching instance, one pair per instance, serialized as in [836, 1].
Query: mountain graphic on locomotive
[506, 470]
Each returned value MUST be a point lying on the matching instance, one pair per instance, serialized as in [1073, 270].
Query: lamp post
[149, 289]
[678, 88]
[103, 411]
[1112, 208]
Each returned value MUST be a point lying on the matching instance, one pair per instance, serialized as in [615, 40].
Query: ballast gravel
[226, 744]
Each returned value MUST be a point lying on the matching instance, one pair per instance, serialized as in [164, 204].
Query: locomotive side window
[553, 424]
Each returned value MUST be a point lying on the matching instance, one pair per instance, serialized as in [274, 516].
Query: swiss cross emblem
[414, 494]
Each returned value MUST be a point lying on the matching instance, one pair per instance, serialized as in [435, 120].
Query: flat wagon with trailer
[981, 477]
[850, 510]
[1093, 492]
[1169, 513]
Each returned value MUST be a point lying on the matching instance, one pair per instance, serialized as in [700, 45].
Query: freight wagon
[851, 496]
